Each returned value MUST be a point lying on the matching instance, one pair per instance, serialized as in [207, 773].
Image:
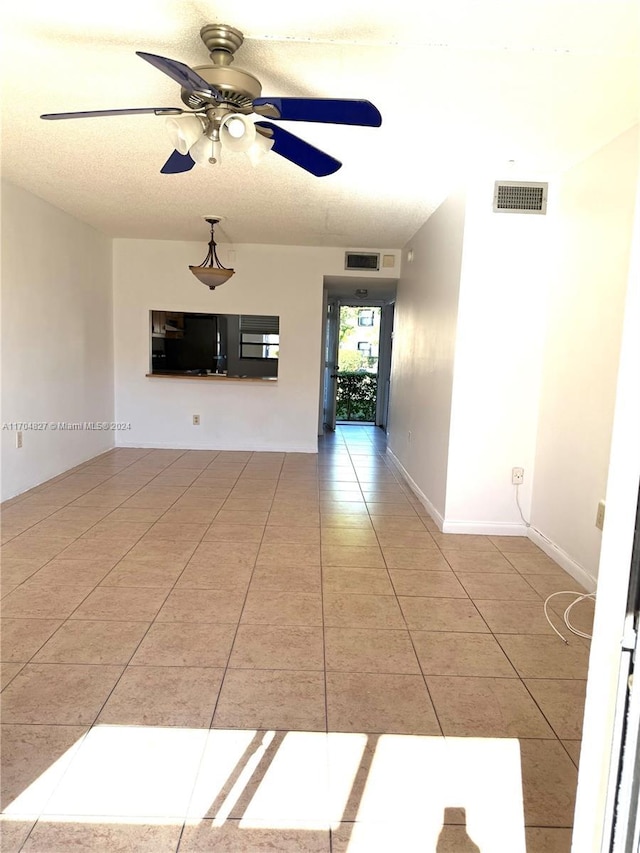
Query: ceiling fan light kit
[211, 272]
[220, 98]
[220, 101]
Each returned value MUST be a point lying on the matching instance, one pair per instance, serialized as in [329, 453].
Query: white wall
[283, 280]
[597, 771]
[587, 286]
[57, 336]
[424, 341]
[497, 365]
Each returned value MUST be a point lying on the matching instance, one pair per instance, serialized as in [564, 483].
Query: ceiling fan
[220, 98]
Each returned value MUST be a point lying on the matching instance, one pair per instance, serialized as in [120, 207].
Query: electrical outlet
[19, 439]
[600, 515]
[196, 420]
[517, 476]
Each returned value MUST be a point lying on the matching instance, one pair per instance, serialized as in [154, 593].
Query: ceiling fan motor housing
[236, 86]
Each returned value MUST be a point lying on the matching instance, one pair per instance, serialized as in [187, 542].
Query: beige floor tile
[547, 840]
[217, 577]
[182, 696]
[526, 617]
[369, 650]
[337, 579]
[223, 532]
[37, 600]
[294, 518]
[274, 535]
[121, 603]
[13, 834]
[60, 572]
[277, 647]
[185, 644]
[503, 587]
[376, 702]
[562, 703]
[413, 539]
[226, 516]
[151, 549]
[8, 672]
[349, 536]
[535, 564]
[441, 614]
[463, 542]
[235, 836]
[240, 554]
[282, 608]
[120, 531]
[33, 753]
[131, 514]
[345, 610]
[287, 578]
[129, 573]
[34, 547]
[56, 693]
[442, 653]
[252, 505]
[50, 836]
[364, 557]
[89, 549]
[385, 509]
[479, 561]
[288, 554]
[90, 642]
[272, 699]
[549, 781]
[187, 515]
[357, 521]
[573, 748]
[547, 584]
[202, 605]
[486, 707]
[427, 584]
[421, 559]
[545, 657]
[515, 544]
[178, 531]
[21, 638]
[392, 524]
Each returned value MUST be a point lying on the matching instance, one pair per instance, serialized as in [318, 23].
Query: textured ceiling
[463, 86]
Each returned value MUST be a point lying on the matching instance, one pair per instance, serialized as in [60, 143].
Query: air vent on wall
[361, 261]
[519, 197]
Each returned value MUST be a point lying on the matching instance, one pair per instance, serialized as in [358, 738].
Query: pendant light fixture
[211, 272]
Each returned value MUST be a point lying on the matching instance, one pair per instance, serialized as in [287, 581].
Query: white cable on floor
[580, 596]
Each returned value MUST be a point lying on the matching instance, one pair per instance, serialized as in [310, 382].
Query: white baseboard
[221, 445]
[485, 528]
[424, 500]
[565, 562]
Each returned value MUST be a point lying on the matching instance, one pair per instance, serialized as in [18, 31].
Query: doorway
[357, 363]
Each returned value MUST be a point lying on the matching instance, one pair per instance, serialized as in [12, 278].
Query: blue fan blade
[300, 152]
[181, 73]
[178, 163]
[159, 111]
[328, 110]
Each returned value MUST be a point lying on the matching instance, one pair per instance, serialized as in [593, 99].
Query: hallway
[238, 651]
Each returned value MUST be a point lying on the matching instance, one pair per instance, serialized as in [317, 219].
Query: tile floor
[262, 651]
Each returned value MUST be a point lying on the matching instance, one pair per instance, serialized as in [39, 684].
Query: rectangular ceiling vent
[519, 197]
[361, 261]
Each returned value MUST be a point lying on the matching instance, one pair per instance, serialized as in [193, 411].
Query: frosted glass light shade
[206, 151]
[237, 132]
[259, 149]
[183, 131]
[212, 277]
